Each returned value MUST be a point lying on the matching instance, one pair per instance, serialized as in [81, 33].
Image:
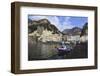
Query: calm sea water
[48, 51]
[38, 51]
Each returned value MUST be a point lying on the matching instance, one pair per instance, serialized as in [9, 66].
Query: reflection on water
[40, 50]
[47, 51]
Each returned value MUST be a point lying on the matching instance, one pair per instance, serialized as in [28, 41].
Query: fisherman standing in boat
[63, 45]
[62, 49]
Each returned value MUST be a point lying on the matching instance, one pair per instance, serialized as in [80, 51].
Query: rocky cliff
[84, 30]
[84, 33]
[41, 24]
[42, 30]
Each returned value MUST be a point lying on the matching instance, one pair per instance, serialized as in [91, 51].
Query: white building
[47, 36]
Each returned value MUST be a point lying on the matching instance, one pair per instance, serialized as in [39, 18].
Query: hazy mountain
[73, 31]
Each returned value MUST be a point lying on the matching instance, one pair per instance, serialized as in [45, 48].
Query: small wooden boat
[64, 50]
[61, 49]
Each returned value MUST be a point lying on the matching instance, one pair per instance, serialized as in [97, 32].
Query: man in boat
[62, 50]
[63, 46]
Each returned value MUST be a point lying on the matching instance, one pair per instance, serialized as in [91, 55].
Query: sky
[62, 22]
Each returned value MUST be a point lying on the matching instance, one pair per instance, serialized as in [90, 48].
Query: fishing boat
[64, 49]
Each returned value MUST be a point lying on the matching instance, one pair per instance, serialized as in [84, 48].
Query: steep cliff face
[42, 25]
[42, 30]
[84, 30]
[84, 33]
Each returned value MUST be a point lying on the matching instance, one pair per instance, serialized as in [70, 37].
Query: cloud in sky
[63, 22]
